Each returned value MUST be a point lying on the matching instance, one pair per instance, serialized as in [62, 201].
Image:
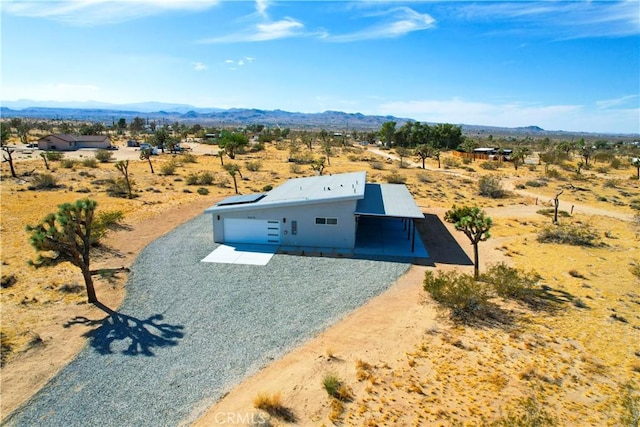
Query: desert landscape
[569, 356]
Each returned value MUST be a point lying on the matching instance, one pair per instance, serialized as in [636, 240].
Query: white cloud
[561, 19]
[514, 114]
[285, 28]
[261, 8]
[234, 64]
[608, 103]
[199, 66]
[400, 21]
[100, 12]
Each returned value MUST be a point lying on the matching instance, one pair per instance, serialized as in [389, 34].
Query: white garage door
[251, 231]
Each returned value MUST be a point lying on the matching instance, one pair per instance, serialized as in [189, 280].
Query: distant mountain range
[170, 113]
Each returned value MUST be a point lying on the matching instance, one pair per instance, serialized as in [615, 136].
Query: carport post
[413, 238]
[408, 230]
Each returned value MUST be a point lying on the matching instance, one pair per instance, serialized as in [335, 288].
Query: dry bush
[254, 165]
[450, 162]
[335, 388]
[510, 282]
[491, 165]
[43, 181]
[528, 412]
[490, 186]
[189, 158]
[461, 293]
[272, 405]
[570, 234]
[395, 178]
[169, 168]
[376, 165]
[103, 156]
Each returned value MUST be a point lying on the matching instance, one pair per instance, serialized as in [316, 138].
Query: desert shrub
[259, 146]
[532, 168]
[466, 160]
[395, 178]
[71, 288]
[43, 181]
[267, 187]
[610, 183]
[550, 212]
[189, 158]
[635, 204]
[464, 296]
[630, 400]
[331, 383]
[203, 191]
[536, 183]
[602, 169]
[223, 183]
[635, 270]
[90, 163]
[490, 165]
[570, 234]
[206, 178]
[335, 388]
[118, 188]
[295, 168]
[520, 186]
[615, 163]
[54, 156]
[192, 179]
[552, 173]
[272, 405]
[528, 413]
[253, 166]
[168, 168]
[490, 186]
[451, 162]
[424, 178]
[510, 282]
[103, 156]
[68, 163]
[376, 165]
[7, 343]
[8, 281]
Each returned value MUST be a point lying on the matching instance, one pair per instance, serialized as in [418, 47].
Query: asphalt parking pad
[242, 254]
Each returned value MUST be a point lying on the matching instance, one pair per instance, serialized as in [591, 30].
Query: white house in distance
[319, 213]
[65, 142]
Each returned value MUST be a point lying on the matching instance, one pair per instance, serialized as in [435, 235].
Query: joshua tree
[66, 237]
[232, 169]
[475, 224]
[123, 167]
[145, 154]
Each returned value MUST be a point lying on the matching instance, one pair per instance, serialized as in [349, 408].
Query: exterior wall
[307, 232]
[54, 143]
[106, 143]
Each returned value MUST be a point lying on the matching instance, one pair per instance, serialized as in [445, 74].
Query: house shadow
[140, 336]
[442, 246]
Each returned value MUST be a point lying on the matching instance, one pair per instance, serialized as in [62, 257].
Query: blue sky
[561, 65]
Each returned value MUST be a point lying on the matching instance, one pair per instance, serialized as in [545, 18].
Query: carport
[386, 219]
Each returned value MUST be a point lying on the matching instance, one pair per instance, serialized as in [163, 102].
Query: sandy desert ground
[403, 359]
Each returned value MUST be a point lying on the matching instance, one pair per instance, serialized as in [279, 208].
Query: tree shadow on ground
[143, 336]
[441, 245]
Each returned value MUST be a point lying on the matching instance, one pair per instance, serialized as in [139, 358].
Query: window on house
[326, 221]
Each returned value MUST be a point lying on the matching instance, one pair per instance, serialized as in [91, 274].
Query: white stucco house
[65, 142]
[312, 212]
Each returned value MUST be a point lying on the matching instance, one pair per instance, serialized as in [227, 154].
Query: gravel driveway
[189, 331]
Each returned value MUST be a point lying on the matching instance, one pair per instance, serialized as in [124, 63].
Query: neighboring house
[63, 142]
[315, 212]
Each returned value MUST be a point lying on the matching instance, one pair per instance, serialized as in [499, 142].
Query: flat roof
[307, 190]
[391, 200]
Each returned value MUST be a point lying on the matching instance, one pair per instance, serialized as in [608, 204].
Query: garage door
[251, 231]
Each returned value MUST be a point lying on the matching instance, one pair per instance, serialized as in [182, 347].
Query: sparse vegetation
[570, 234]
[43, 181]
[490, 186]
[104, 156]
[461, 293]
[395, 178]
[510, 282]
[272, 405]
